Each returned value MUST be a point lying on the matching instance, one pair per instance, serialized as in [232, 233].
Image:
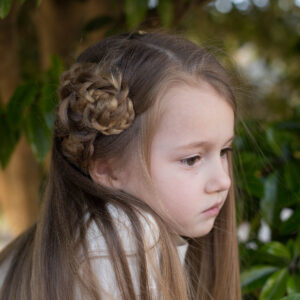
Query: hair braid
[92, 101]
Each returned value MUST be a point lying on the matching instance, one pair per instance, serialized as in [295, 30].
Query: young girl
[139, 202]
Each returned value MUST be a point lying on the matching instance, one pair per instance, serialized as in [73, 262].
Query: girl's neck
[180, 240]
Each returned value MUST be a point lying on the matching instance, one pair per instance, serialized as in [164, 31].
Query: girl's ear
[101, 172]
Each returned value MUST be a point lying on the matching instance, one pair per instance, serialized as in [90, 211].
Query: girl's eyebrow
[199, 144]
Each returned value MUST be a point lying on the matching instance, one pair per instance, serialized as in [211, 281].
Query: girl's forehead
[182, 102]
[189, 112]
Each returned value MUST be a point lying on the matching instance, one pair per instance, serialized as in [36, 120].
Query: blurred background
[257, 40]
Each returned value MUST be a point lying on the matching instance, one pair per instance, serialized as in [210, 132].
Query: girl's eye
[226, 151]
[190, 161]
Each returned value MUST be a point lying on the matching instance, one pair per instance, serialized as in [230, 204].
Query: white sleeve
[101, 264]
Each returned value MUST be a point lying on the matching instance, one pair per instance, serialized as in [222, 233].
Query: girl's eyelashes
[190, 161]
[225, 151]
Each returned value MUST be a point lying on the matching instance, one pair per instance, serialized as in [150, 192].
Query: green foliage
[267, 203]
[5, 6]
[275, 286]
[31, 111]
[12, 120]
[36, 131]
[255, 277]
[278, 279]
[135, 11]
[272, 271]
[48, 97]
[292, 297]
[165, 10]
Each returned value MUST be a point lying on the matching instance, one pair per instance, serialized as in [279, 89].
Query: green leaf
[277, 249]
[249, 178]
[9, 139]
[271, 138]
[278, 140]
[12, 118]
[135, 11]
[292, 297]
[291, 175]
[22, 98]
[5, 6]
[293, 284]
[255, 277]
[268, 202]
[165, 11]
[21, 1]
[49, 96]
[37, 132]
[291, 125]
[275, 286]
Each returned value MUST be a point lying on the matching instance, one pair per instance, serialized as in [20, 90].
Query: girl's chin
[197, 234]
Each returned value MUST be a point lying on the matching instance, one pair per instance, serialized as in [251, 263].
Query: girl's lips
[213, 210]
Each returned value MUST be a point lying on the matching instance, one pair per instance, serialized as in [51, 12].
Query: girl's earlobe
[102, 173]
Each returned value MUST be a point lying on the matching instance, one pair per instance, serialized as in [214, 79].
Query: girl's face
[189, 159]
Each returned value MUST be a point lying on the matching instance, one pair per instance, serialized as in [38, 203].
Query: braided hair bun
[92, 101]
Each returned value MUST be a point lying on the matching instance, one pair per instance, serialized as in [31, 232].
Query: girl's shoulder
[102, 263]
[150, 232]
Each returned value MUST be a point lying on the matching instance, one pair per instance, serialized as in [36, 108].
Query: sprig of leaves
[30, 111]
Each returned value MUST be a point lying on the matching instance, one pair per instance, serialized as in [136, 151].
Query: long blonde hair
[132, 69]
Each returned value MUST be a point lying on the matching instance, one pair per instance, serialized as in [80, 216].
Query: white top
[100, 262]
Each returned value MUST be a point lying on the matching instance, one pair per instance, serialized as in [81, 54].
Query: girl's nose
[219, 179]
